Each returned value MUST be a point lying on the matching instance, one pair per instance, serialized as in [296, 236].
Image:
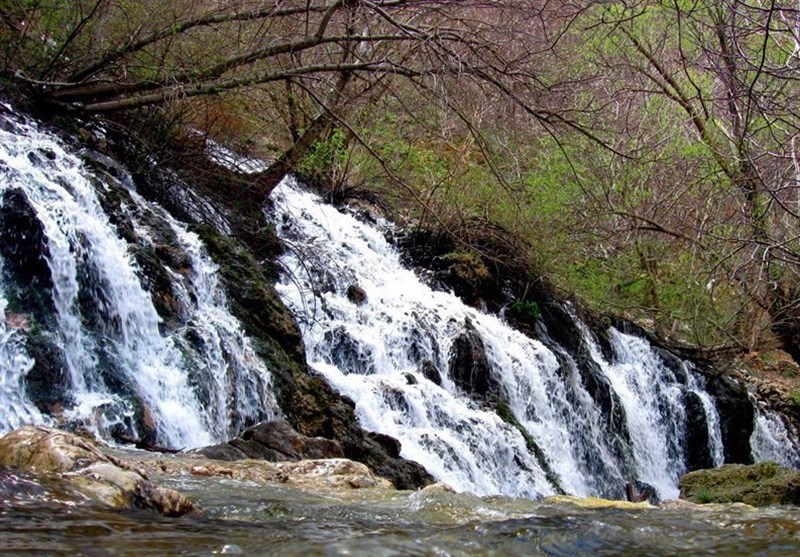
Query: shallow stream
[244, 518]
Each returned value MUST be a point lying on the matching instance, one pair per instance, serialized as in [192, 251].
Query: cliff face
[127, 321]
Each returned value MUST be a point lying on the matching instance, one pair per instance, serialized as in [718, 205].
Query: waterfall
[390, 351]
[194, 381]
[15, 407]
[772, 440]
[113, 318]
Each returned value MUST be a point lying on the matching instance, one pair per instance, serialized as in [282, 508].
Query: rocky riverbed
[62, 494]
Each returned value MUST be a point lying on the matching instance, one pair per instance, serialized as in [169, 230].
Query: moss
[502, 409]
[310, 405]
[760, 485]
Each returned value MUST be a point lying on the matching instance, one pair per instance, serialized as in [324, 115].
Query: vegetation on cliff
[641, 155]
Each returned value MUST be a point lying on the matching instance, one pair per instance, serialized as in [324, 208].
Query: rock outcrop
[759, 485]
[309, 403]
[274, 441]
[84, 472]
[468, 364]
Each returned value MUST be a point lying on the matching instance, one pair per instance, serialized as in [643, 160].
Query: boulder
[760, 485]
[356, 294]
[82, 471]
[468, 364]
[315, 475]
[24, 241]
[429, 370]
[697, 442]
[275, 441]
[737, 417]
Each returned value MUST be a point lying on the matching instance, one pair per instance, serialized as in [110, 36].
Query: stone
[429, 370]
[438, 487]
[759, 485]
[255, 450]
[468, 364]
[356, 294]
[82, 471]
[280, 436]
[737, 417]
[24, 242]
[698, 452]
[596, 503]
[389, 443]
[274, 441]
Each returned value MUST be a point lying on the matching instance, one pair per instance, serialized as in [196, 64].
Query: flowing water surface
[242, 518]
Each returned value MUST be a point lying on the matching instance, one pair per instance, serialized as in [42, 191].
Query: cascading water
[144, 340]
[15, 408]
[772, 440]
[386, 340]
[197, 379]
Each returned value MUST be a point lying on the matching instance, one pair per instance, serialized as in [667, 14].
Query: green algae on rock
[759, 485]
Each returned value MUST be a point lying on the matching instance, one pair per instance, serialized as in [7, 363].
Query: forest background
[639, 157]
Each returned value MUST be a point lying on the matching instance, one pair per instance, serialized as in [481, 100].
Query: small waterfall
[654, 399]
[391, 353]
[772, 440]
[198, 378]
[15, 408]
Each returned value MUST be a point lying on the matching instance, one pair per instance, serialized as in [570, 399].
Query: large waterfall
[114, 316]
[198, 378]
[390, 348]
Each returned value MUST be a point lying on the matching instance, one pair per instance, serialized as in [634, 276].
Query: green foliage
[325, 161]
[526, 311]
[703, 497]
[467, 266]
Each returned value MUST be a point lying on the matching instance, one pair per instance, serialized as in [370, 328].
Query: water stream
[391, 354]
[197, 378]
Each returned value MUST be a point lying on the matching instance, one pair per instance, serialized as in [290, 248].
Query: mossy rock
[760, 485]
[309, 403]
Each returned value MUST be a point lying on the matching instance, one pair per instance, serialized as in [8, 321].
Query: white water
[85, 251]
[373, 353]
[652, 395]
[771, 440]
[15, 408]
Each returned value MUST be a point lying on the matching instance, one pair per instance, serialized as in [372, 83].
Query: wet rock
[23, 245]
[255, 450]
[737, 417]
[223, 451]
[335, 473]
[638, 491]
[759, 485]
[280, 436]
[438, 487]
[596, 503]
[356, 294]
[47, 384]
[275, 441]
[429, 370]
[346, 353]
[468, 364]
[698, 451]
[389, 443]
[314, 475]
[80, 467]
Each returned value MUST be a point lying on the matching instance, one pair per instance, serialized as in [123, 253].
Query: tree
[106, 56]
